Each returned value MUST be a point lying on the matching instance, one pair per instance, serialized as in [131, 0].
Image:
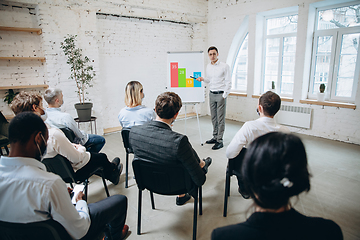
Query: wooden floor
[334, 194]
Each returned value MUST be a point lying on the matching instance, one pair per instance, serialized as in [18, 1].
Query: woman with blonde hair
[134, 113]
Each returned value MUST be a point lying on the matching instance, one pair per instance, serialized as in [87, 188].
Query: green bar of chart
[182, 77]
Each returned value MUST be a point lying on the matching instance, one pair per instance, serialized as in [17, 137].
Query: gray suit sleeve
[191, 160]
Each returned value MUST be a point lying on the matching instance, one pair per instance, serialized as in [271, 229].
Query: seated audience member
[31, 194]
[268, 105]
[57, 118]
[274, 170]
[156, 141]
[134, 113]
[83, 162]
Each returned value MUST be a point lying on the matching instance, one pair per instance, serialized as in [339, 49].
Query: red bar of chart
[174, 74]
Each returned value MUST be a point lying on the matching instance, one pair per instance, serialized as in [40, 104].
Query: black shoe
[208, 162]
[182, 200]
[211, 141]
[115, 175]
[244, 194]
[217, 146]
[116, 161]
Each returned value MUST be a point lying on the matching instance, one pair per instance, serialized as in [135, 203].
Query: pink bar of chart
[174, 74]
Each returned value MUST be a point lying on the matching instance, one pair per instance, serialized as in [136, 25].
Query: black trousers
[112, 211]
[96, 160]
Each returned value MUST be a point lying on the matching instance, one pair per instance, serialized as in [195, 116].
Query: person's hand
[80, 196]
[69, 190]
[200, 79]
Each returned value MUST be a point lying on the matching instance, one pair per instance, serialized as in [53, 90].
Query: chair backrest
[43, 230]
[164, 179]
[234, 165]
[125, 136]
[68, 133]
[60, 166]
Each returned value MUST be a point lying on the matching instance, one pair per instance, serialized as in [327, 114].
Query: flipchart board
[181, 67]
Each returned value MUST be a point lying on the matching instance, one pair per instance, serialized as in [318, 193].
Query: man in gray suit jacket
[157, 142]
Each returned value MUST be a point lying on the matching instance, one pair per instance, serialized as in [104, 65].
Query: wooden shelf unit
[42, 59]
[24, 86]
[17, 29]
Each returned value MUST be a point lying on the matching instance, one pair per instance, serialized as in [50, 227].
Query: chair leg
[127, 170]
[139, 213]
[227, 193]
[152, 200]
[105, 186]
[200, 200]
[195, 216]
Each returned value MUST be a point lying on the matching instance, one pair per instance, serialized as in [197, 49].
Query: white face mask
[44, 116]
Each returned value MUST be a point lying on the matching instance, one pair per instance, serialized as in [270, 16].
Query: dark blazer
[157, 142]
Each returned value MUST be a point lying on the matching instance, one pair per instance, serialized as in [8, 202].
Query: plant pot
[84, 111]
[320, 97]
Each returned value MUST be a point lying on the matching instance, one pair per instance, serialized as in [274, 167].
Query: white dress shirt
[218, 77]
[57, 118]
[58, 143]
[31, 194]
[251, 130]
[138, 115]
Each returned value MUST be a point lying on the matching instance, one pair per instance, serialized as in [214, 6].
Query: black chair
[233, 168]
[62, 167]
[43, 230]
[125, 136]
[68, 133]
[4, 135]
[165, 180]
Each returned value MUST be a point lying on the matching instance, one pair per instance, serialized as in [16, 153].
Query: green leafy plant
[81, 71]
[322, 88]
[9, 96]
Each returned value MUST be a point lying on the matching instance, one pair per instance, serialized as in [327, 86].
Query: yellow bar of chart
[189, 82]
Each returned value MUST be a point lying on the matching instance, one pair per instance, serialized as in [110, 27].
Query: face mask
[42, 149]
[257, 110]
[44, 116]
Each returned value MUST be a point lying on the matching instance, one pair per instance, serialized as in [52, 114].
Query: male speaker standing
[218, 77]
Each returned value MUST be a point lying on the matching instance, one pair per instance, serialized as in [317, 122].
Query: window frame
[337, 34]
[280, 56]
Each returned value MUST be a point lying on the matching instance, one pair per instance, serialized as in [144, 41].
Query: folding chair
[233, 168]
[165, 180]
[62, 167]
[125, 136]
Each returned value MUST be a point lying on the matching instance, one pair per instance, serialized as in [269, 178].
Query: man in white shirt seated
[268, 105]
[57, 118]
[31, 194]
[83, 162]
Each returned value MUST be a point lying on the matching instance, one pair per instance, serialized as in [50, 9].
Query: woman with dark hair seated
[275, 169]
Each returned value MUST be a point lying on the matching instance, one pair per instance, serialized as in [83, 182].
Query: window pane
[271, 62]
[282, 25]
[322, 62]
[288, 65]
[339, 17]
[239, 75]
[347, 64]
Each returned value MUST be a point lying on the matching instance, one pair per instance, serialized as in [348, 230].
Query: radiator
[294, 116]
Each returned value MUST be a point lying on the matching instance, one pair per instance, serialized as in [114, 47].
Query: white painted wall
[226, 16]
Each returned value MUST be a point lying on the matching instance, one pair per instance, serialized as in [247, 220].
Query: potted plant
[82, 73]
[9, 96]
[321, 94]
